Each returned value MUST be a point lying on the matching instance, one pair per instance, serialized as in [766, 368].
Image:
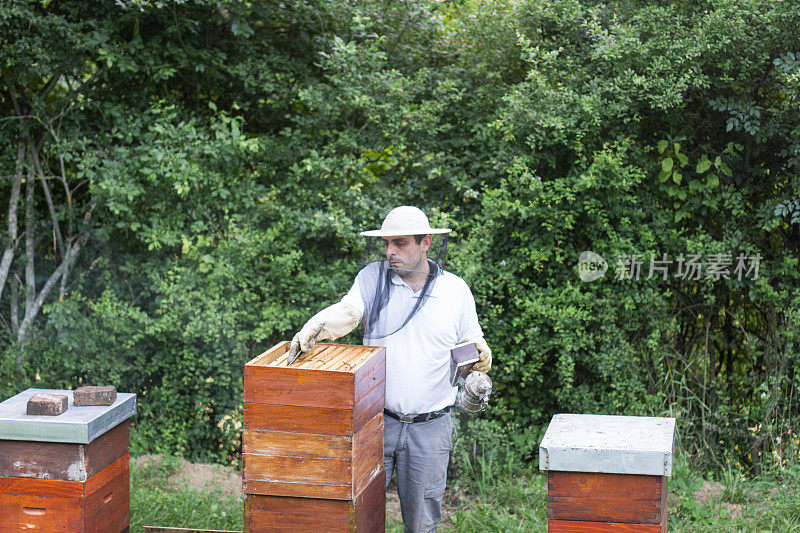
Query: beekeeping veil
[375, 276]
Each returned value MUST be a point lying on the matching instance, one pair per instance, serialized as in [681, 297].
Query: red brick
[47, 404]
[95, 395]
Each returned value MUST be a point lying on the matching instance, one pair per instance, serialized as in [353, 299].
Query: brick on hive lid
[47, 404]
[94, 395]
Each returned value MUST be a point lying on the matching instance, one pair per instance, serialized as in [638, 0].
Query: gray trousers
[419, 453]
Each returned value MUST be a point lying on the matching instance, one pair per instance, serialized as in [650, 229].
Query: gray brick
[47, 404]
[95, 395]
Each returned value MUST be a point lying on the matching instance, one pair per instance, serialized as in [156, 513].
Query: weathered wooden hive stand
[607, 473]
[67, 472]
[313, 440]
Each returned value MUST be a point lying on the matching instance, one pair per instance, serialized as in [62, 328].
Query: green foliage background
[221, 157]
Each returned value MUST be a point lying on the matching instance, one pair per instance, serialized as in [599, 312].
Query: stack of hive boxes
[67, 472]
[313, 440]
[607, 473]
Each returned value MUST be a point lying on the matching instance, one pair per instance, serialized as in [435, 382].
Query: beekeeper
[418, 312]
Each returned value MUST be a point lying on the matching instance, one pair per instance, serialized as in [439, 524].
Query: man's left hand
[485, 354]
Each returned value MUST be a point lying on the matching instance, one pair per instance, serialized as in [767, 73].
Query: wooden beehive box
[607, 473]
[67, 472]
[272, 514]
[314, 429]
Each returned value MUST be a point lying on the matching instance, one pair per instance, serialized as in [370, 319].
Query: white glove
[336, 321]
[483, 352]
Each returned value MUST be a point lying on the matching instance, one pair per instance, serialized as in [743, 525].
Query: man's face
[404, 254]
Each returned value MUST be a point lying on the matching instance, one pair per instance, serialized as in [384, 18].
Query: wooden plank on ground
[156, 529]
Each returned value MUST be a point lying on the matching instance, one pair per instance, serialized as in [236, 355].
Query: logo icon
[591, 266]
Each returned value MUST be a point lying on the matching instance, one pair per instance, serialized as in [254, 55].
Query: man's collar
[397, 280]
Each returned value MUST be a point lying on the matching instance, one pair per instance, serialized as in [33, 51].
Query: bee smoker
[473, 396]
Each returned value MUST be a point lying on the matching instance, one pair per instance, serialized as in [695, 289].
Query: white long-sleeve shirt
[418, 356]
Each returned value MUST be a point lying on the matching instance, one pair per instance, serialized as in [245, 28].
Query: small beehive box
[67, 472]
[314, 429]
[607, 473]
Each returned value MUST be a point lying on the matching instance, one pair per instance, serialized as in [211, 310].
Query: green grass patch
[157, 502]
[731, 501]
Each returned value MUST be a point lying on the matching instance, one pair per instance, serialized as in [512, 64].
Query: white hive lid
[610, 444]
[80, 425]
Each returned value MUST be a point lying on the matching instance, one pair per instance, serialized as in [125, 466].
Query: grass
[770, 502]
[517, 504]
[489, 497]
[734, 484]
[156, 503]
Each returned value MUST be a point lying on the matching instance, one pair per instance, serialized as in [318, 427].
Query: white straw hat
[405, 220]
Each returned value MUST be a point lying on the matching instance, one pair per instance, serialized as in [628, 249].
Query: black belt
[424, 417]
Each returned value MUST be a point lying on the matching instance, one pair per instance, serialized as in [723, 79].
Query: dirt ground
[713, 489]
[195, 476]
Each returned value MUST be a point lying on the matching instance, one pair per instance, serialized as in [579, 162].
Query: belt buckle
[408, 419]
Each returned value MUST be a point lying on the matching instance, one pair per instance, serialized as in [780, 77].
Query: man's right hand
[307, 337]
[331, 323]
